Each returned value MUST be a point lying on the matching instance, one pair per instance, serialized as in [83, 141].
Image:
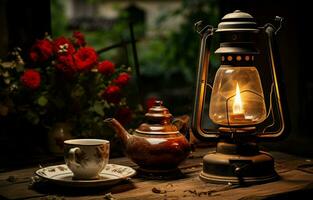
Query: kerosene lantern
[242, 112]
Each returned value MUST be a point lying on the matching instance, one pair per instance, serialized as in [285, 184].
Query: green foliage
[164, 54]
[176, 49]
[58, 19]
[42, 101]
[75, 97]
[179, 49]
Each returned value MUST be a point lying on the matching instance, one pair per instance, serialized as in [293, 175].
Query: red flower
[122, 79]
[85, 58]
[106, 68]
[62, 45]
[123, 115]
[112, 94]
[79, 38]
[41, 51]
[31, 79]
[65, 63]
[150, 102]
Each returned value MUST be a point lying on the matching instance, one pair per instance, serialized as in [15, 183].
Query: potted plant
[64, 81]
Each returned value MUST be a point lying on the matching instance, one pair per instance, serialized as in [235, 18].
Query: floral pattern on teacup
[82, 158]
[87, 160]
[102, 153]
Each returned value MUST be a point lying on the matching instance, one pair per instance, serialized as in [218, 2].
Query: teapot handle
[182, 124]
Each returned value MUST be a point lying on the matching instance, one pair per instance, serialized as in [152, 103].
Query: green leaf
[105, 104]
[19, 68]
[32, 117]
[42, 101]
[78, 91]
[98, 108]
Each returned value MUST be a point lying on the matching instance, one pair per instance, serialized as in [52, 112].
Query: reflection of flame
[237, 106]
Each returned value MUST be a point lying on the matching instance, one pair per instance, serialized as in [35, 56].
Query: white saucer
[62, 175]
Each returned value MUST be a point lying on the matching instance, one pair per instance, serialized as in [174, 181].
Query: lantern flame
[237, 106]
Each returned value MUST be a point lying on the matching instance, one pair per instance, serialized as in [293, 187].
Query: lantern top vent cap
[237, 21]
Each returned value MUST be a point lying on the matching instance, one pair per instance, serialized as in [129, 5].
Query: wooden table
[296, 178]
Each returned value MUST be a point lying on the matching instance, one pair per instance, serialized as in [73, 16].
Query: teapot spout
[119, 130]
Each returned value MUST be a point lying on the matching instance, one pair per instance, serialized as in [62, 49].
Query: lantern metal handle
[276, 72]
[201, 84]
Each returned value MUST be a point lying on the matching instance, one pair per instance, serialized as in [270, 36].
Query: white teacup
[86, 158]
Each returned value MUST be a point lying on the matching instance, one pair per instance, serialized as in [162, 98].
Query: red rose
[65, 63]
[106, 68]
[62, 45]
[41, 51]
[85, 58]
[31, 79]
[123, 115]
[122, 79]
[150, 102]
[79, 38]
[112, 94]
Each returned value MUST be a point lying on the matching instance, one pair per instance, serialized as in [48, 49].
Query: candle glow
[237, 105]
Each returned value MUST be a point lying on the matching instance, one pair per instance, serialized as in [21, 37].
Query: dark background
[22, 21]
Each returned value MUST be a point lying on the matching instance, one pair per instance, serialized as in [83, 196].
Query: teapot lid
[158, 121]
[158, 111]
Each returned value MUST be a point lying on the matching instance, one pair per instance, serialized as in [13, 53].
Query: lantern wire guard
[237, 158]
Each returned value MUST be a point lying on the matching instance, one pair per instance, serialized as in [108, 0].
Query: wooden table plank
[19, 187]
[194, 188]
[296, 173]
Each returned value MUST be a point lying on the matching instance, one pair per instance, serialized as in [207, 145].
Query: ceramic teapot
[157, 145]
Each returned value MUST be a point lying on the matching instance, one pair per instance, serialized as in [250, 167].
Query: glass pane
[237, 97]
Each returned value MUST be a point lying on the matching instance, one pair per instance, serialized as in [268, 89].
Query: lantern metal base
[240, 164]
